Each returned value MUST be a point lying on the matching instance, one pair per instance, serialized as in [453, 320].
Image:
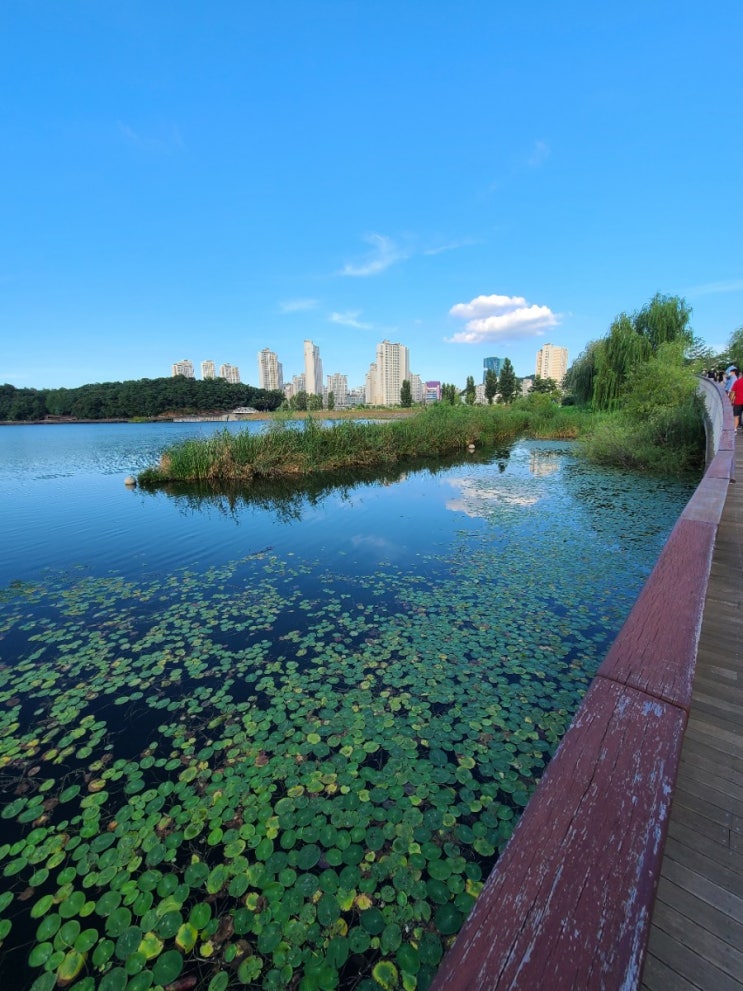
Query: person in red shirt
[736, 396]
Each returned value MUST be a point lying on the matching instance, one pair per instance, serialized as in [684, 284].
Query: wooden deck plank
[717, 952]
[701, 864]
[658, 976]
[682, 963]
[696, 935]
[701, 821]
[711, 918]
[704, 889]
[568, 905]
[715, 789]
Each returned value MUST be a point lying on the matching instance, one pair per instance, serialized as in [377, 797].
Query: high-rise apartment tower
[312, 369]
[270, 372]
[552, 363]
[387, 374]
[338, 385]
[184, 367]
[230, 372]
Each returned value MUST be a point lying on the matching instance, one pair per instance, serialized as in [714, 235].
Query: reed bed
[285, 451]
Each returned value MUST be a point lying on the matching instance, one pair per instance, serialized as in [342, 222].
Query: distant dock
[237, 414]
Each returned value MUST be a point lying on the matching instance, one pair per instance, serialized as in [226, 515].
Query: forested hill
[174, 395]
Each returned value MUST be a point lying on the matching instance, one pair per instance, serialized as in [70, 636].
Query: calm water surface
[278, 737]
[63, 505]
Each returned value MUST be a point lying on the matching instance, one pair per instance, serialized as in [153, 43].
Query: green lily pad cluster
[267, 775]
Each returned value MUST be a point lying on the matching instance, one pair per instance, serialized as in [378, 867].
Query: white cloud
[169, 139]
[449, 246]
[539, 154]
[350, 319]
[477, 499]
[482, 306]
[712, 288]
[297, 305]
[501, 318]
[385, 253]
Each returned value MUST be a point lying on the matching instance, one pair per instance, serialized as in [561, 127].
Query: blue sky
[467, 177]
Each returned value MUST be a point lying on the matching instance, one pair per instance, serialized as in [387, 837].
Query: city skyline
[391, 366]
[357, 172]
[383, 379]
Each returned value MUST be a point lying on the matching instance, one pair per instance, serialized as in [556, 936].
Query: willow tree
[734, 353]
[663, 320]
[581, 374]
[616, 357]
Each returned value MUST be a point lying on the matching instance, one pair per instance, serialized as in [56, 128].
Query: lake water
[282, 734]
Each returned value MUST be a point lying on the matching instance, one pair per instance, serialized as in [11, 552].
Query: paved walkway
[696, 937]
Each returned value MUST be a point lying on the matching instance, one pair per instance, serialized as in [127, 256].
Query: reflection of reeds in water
[289, 497]
[283, 452]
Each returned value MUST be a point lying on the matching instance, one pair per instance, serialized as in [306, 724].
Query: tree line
[134, 399]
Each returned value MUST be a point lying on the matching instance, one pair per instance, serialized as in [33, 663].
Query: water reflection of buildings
[543, 463]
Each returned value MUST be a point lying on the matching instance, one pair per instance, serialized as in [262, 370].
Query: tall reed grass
[284, 450]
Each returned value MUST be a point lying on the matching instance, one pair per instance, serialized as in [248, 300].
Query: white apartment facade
[230, 372]
[312, 369]
[207, 370]
[387, 374]
[417, 388]
[338, 385]
[552, 363]
[270, 371]
[184, 367]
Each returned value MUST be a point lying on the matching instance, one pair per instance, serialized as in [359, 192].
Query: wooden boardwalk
[696, 936]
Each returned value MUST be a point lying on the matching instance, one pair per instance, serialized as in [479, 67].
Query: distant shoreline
[325, 414]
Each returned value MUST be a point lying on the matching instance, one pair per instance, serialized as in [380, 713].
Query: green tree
[406, 394]
[620, 352]
[663, 319]
[491, 385]
[734, 353]
[331, 400]
[300, 400]
[700, 354]
[632, 341]
[664, 381]
[547, 386]
[314, 401]
[449, 393]
[469, 391]
[581, 374]
[507, 382]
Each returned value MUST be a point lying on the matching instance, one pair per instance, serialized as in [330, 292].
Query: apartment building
[312, 369]
[230, 372]
[184, 367]
[270, 371]
[387, 374]
[552, 363]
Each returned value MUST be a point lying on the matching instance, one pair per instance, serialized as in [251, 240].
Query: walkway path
[696, 937]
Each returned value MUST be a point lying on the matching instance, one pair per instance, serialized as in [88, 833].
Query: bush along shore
[283, 451]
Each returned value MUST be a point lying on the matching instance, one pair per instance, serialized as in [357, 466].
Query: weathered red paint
[656, 648]
[568, 904]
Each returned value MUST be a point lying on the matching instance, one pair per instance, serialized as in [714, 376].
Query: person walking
[736, 397]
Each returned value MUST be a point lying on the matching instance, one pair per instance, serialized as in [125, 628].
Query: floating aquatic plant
[276, 776]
